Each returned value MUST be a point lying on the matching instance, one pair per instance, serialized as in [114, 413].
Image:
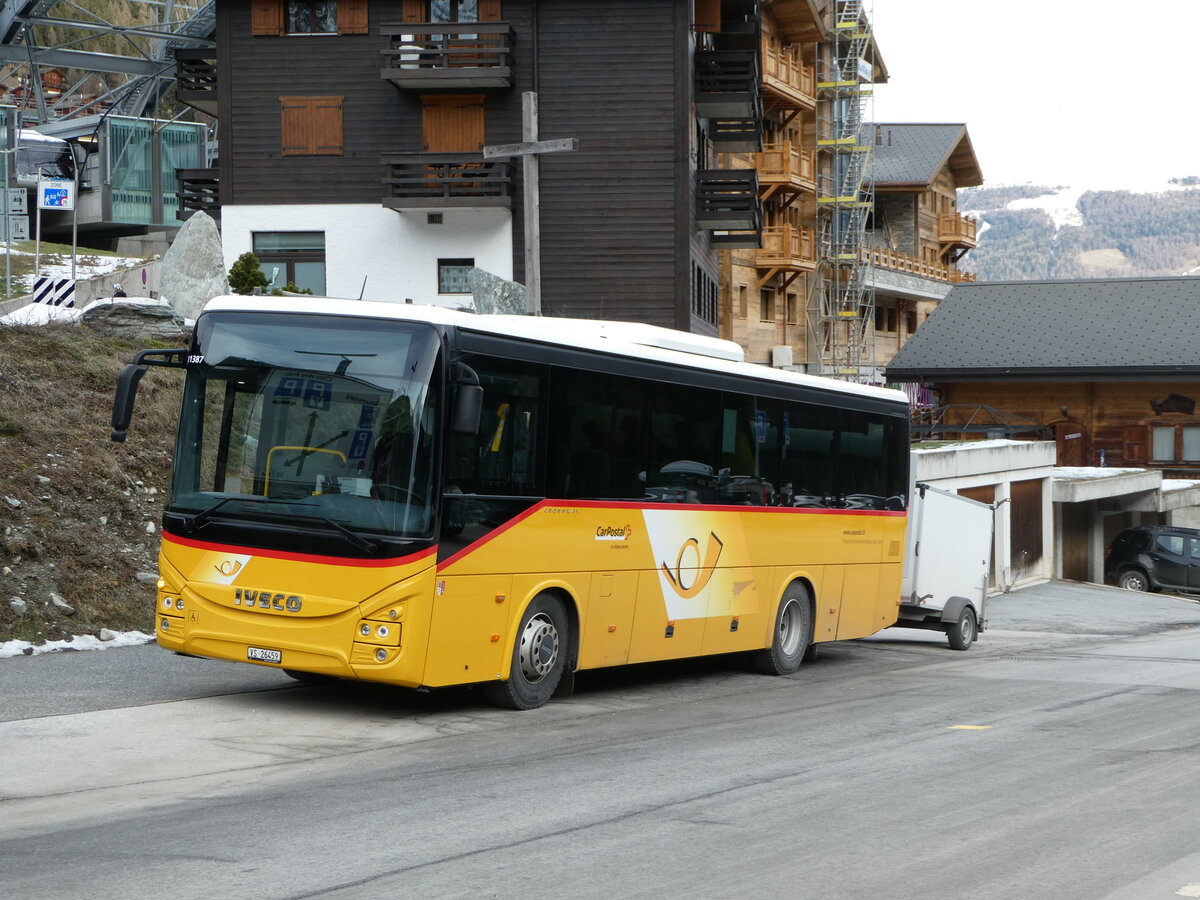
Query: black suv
[1153, 557]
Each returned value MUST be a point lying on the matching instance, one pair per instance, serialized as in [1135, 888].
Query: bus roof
[628, 339]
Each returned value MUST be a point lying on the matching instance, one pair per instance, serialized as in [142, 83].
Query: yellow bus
[427, 497]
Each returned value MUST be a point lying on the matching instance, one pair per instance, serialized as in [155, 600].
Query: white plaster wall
[397, 253]
[999, 464]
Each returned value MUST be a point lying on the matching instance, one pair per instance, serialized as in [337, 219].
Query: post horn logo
[228, 567]
[709, 565]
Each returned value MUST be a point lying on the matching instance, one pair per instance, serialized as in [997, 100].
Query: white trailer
[949, 553]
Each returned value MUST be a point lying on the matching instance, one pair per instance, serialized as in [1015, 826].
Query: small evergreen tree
[290, 288]
[245, 275]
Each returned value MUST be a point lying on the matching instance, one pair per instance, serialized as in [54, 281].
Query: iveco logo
[267, 600]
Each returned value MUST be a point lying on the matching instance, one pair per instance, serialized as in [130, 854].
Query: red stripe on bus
[495, 532]
[301, 557]
[690, 507]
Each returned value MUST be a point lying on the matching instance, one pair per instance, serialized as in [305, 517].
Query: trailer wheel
[538, 659]
[793, 627]
[962, 633]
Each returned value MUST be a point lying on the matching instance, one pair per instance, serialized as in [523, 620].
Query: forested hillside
[1037, 232]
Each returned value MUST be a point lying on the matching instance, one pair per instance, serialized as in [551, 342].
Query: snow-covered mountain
[1058, 232]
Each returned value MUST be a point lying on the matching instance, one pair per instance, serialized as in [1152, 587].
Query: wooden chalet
[352, 136]
[916, 235]
[1107, 368]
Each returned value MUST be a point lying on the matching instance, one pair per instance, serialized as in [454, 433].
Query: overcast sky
[1092, 93]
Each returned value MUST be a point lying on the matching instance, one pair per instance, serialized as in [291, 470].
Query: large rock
[193, 269]
[496, 295]
[135, 320]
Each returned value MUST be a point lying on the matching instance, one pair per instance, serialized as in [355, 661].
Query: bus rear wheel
[793, 629]
[539, 657]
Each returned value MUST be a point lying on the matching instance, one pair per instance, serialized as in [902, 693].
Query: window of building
[452, 123]
[454, 275]
[704, 296]
[885, 318]
[743, 301]
[453, 10]
[292, 257]
[306, 17]
[311, 16]
[766, 302]
[311, 126]
[793, 308]
[1174, 443]
[910, 321]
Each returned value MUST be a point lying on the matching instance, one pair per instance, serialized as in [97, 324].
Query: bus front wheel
[793, 629]
[539, 657]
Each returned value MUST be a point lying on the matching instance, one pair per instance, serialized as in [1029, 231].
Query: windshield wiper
[197, 520]
[356, 539]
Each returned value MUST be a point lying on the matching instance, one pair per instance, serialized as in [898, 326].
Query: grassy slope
[80, 530]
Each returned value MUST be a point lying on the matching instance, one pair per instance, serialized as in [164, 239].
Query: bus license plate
[260, 655]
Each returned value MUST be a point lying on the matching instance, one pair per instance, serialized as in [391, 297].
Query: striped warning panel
[54, 291]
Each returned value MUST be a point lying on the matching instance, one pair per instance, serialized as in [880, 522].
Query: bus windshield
[303, 423]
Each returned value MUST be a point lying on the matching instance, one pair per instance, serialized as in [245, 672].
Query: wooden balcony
[902, 262]
[199, 190]
[958, 231]
[727, 84]
[429, 55]
[446, 181]
[784, 167]
[786, 248]
[735, 135]
[196, 79]
[727, 200]
[786, 78]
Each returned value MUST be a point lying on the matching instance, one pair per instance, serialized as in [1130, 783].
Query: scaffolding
[842, 308]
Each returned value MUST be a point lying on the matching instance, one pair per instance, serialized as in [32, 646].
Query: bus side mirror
[127, 384]
[468, 406]
[468, 403]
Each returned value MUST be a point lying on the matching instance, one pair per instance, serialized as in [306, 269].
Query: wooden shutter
[452, 123]
[311, 126]
[352, 16]
[489, 11]
[266, 17]
[707, 15]
[414, 11]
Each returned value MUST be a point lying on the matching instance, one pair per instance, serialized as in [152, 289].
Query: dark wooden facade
[619, 238]
[1093, 422]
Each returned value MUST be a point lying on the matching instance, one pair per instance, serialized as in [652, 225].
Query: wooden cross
[529, 149]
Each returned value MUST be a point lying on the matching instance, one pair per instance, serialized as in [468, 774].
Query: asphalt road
[1057, 758]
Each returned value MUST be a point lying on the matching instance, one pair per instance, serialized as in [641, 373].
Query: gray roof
[915, 153]
[1122, 328]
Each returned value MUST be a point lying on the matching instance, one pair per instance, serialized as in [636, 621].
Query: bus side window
[503, 458]
[685, 428]
[598, 449]
[861, 481]
[807, 455]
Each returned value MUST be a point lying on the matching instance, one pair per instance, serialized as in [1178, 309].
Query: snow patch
[43, 314]
[1062, 206]
[79, 642]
